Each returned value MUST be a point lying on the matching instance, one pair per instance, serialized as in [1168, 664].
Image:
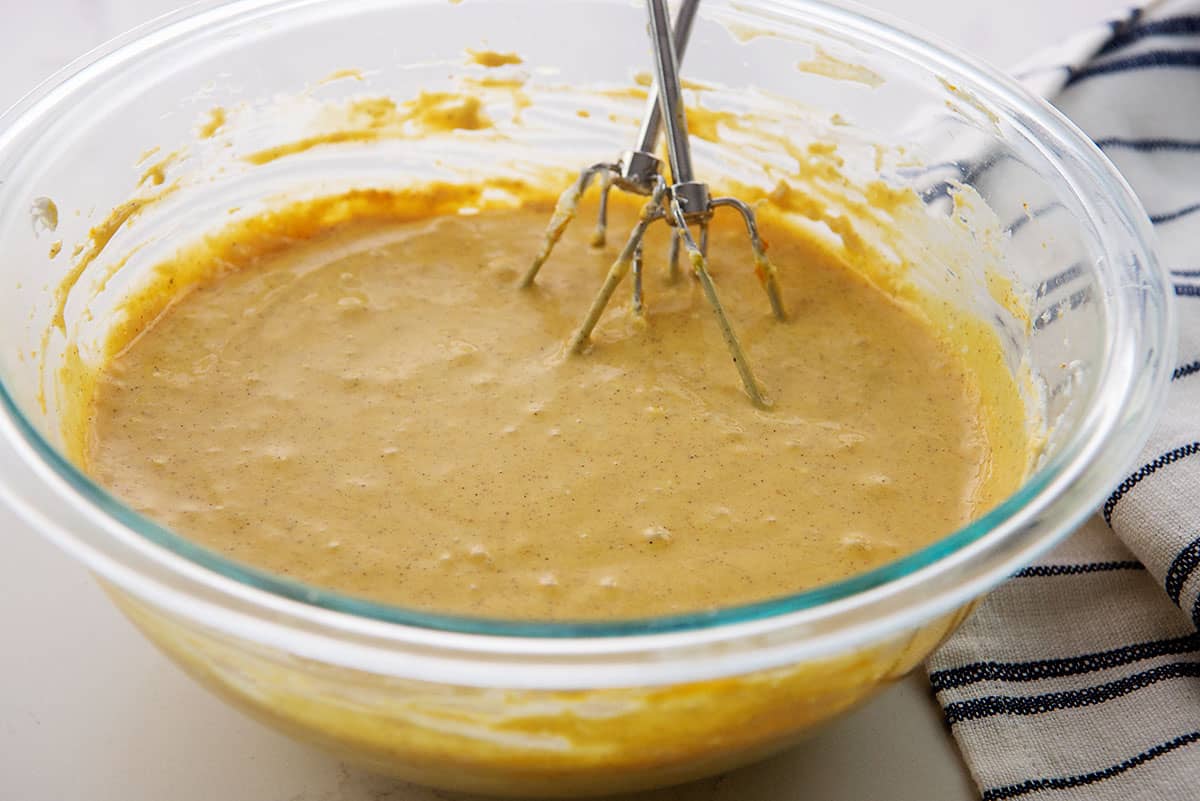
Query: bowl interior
[1017, 221]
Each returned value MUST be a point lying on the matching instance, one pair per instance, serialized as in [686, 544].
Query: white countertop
[89, 711]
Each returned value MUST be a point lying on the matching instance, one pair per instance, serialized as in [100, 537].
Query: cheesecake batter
[368, 404]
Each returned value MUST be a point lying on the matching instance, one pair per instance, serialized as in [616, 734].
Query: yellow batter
[366, 403]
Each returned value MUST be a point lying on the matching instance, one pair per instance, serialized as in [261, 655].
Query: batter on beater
[368, 405]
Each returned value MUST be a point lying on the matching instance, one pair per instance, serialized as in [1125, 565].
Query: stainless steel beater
[682, 203]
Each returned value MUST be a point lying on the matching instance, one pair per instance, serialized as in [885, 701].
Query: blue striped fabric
[976, 708]
[1149, 145]
[1079, 678]
[1047, 571]
[1148, 469]
[1068, 666]
[1184, 25]
[1083, 780]
[1156, 59]
[1171, 216]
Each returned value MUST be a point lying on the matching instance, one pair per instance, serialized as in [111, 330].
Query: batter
[370, 406]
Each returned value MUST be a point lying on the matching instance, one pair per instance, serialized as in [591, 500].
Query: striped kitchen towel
[1079, 678]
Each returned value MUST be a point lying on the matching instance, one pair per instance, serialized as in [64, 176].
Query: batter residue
[375, 409]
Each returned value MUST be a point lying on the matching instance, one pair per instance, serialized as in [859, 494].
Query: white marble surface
[89, 711]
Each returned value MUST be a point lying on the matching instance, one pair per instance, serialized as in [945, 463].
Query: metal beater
[682, 203]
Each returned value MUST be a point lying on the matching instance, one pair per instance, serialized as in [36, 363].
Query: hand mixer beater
[682, 203]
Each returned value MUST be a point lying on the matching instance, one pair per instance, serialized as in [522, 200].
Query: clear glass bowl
[538, 708]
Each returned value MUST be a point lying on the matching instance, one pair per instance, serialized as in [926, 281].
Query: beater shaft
[652, 119]
[670, 92]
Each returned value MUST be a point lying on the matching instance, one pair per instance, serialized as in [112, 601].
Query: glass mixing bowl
[539, 708]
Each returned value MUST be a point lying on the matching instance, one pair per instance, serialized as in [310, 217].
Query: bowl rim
[151, 563]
